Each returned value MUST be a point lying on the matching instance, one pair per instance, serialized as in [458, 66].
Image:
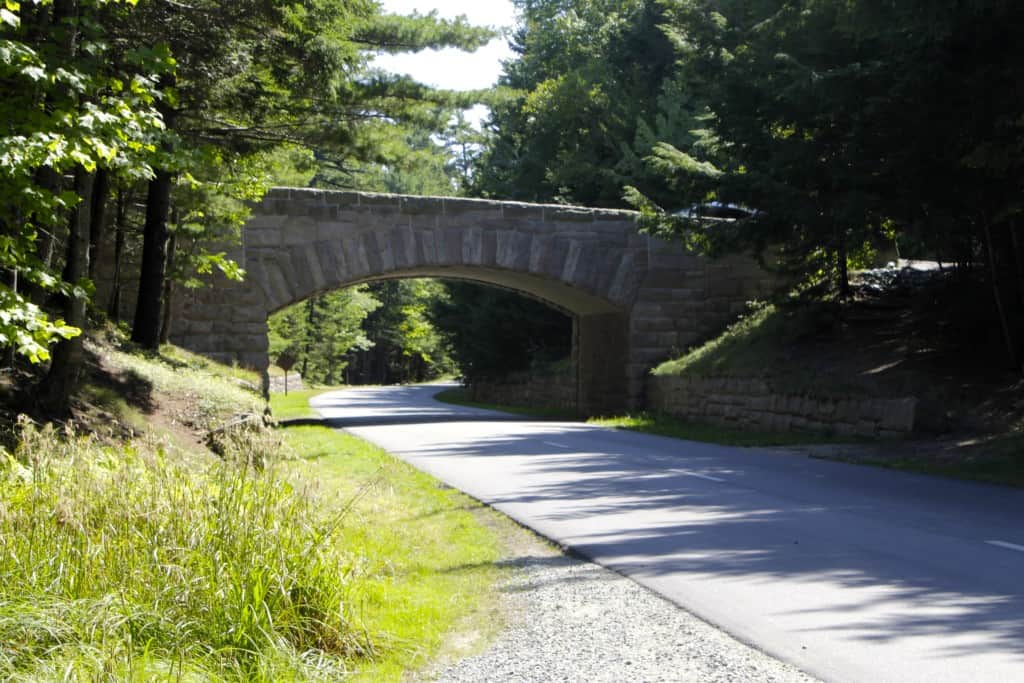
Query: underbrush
[128, 564]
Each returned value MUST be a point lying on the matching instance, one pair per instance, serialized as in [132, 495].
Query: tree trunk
[310, 326]
[9, 351]
[1018, 259]
[114, 307]
[149, 307]
[165, 327]
[97, 218]
[997, 295]
[842, 267]
[68, 355]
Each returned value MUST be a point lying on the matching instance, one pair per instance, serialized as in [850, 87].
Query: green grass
[299, 555]
[211, 395]
[998, 461]
[740, 349]
[666, 425]
[125, 563]
[294, 404]
[762, 344]
[460, 396]
[421, 560]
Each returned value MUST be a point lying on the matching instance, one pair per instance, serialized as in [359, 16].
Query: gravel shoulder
[567, 619]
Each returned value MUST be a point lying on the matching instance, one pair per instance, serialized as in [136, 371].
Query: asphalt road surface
[851, 573]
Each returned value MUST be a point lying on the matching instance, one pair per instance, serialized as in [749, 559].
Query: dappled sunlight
[864, 555]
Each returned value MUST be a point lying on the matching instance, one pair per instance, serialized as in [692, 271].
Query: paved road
[850, 573]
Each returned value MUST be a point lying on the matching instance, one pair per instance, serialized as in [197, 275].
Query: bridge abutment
[601, 355]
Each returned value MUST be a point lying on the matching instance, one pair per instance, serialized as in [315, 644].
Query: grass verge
[460, 396]
[998, 460]
[145, 558]
[420, 559]
[666, 425]
[128, 563]
[653, 423]
[294, 404]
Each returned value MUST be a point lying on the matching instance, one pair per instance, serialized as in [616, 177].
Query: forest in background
[134, 134]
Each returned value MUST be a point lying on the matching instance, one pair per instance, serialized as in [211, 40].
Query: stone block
[403, 246]
[568, 214]
[725, 288]
[380, 204]
[571, 264]
[356, 261]
[668, 340]
[384, 250]
[866, 427]
[421, 205]
[261, 237]
[900, 415]
[312, 263]
[472, 246]
[512, 250]
[626, 280]
[516, 210]
[450, 246]
[323, 212]
[298, 231]
[480, 207]
[644, 340]
[327, 231]
[488, 247]
[367, 253]
[626, 221]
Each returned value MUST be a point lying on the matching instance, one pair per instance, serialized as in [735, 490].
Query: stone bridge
[634, 299]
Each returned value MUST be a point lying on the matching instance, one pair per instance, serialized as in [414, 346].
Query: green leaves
[65, 108]
[26, 328]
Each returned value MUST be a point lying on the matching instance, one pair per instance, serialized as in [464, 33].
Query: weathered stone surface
[635, 298]
[753, 404]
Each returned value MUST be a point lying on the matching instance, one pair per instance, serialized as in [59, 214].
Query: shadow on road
[908, 539]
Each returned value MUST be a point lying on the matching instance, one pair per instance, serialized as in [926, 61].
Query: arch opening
[562, 354]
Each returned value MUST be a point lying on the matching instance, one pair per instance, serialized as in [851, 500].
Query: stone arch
[633, 298]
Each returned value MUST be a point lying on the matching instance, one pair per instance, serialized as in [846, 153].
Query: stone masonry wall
[753, 404]
[636, 300]
[556, 391]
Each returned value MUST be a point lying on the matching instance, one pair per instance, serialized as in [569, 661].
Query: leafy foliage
[321, 332]
[493, 332]
[65, 106]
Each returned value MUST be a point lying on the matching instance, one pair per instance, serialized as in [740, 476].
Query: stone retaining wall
[753, 404]
[556, 391]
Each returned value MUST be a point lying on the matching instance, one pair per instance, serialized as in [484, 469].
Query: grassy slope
[147, 558]
[916, 344]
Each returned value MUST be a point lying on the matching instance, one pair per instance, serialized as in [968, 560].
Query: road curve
[850, 573]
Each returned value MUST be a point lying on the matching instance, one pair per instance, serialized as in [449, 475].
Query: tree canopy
[190, 109]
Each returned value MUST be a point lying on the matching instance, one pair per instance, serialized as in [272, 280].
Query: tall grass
[124, 564]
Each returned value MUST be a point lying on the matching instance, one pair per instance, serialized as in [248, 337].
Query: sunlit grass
[300, 555]
[422, 561]
[294, 404]
[128, 564]
[738, 349]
